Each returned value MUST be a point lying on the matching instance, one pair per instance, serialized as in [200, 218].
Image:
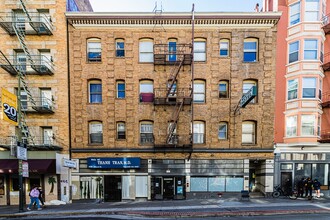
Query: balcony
[172, 55]
[179, 95]
[326, 100]
[40, 24]
[38, 143]
[325, 137]
[42, 105]
[326, 24]
[42, 65]
[177, 143]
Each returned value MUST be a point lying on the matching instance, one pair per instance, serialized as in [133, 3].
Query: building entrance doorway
[112, 188]
[168, 187]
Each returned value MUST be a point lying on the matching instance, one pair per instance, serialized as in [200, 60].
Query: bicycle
[278, 191]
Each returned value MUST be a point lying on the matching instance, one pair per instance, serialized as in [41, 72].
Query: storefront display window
[216, 184]
[91, 187]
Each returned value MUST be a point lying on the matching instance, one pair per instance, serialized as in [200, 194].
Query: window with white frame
[95, 91]
[46, 98]
[94, 53]
[310, 49]
[146, 91]
[24, 100]
[248, 132]
[95, 132]
[312, 8]
[247, 85]
[224, 48]
[223, 89]
[294, 52]
[291, 126]
[294, 14]
[199, 91]
[292, 89]
[121, 93]
[320, 89]
[21, 61]
[47, 135]
[199, 132]
[307, 124]
[309, 87]
[319, 126]
[223, 130]
[146, 132]
[120, 48]
[121, 130]
[146, 51]
[171, 128]
[250, 50]
[200, 50]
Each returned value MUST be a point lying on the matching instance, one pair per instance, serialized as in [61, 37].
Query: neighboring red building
[302, 123]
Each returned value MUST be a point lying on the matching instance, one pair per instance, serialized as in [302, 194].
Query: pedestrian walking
[40, 197]
[317, 186]
[301, 186]
[34, 197]
[309, 188]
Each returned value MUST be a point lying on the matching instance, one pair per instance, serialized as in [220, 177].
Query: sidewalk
[226, 206]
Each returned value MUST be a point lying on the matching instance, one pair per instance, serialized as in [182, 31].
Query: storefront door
[112, 188]
[168, 188]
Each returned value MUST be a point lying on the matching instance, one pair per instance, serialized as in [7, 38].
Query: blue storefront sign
[113, 163]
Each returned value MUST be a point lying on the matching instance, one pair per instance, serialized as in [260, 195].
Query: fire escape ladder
[28, 15]
[174, 120]
[174, 74]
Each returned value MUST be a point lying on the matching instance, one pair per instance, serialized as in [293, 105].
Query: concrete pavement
[228, 205]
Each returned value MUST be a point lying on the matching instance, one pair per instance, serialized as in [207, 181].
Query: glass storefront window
[215, 184]
[91, 187]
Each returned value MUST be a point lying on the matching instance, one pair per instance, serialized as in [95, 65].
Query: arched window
[223, 89]
[199, 91]
[199, 132]
[95, 91]
[224, 48]
[146, 91]
[199, 49]
[146, 132]
[249, 132]
[94, 50]
[250, 50]
[247, 85]
[120, 48]
[146, 51]
[95, 132]
[121, 92]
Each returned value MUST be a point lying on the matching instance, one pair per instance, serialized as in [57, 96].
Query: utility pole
[19, 142]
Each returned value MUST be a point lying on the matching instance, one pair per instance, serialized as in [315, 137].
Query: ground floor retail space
[117, 179]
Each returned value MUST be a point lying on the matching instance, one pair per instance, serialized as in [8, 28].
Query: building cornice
[244, 19]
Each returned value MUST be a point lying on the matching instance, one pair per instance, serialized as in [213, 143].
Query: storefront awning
[41, 166]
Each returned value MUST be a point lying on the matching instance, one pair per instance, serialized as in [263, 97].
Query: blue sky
[175, 5]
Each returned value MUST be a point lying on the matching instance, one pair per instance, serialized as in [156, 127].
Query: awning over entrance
[41, 166]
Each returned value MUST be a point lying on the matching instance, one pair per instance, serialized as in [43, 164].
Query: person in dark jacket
[301, 186]
[309, 188]
[317, 186]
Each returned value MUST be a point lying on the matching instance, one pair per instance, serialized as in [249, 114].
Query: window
[294, 13]
[146, 51]
[319, 126]
[292, 89]
[224, 48]
[250, 50]
[95, 132]
[47, 136]
[120, 48]
[95, 91]
[146, 91]
[21, 61]
[307, 124]
[223, 129]
[171, 128]
[173, 89]
[121, 130]
[309, 88]
[172, 50]
[46, 98]
[20, 19]
[223, 89]
[199, 132]
[24, 100]
[248, 132]
[94, 50]
[121, 89]
[199, 50]
[312, 10]
[320, 89]
[199, 91]
[294, 51]
[310, 49]
[146, 132]
[247, 85]
[291, 126]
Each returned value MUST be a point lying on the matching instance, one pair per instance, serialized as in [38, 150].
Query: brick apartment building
[33, 55]
[155, 104]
